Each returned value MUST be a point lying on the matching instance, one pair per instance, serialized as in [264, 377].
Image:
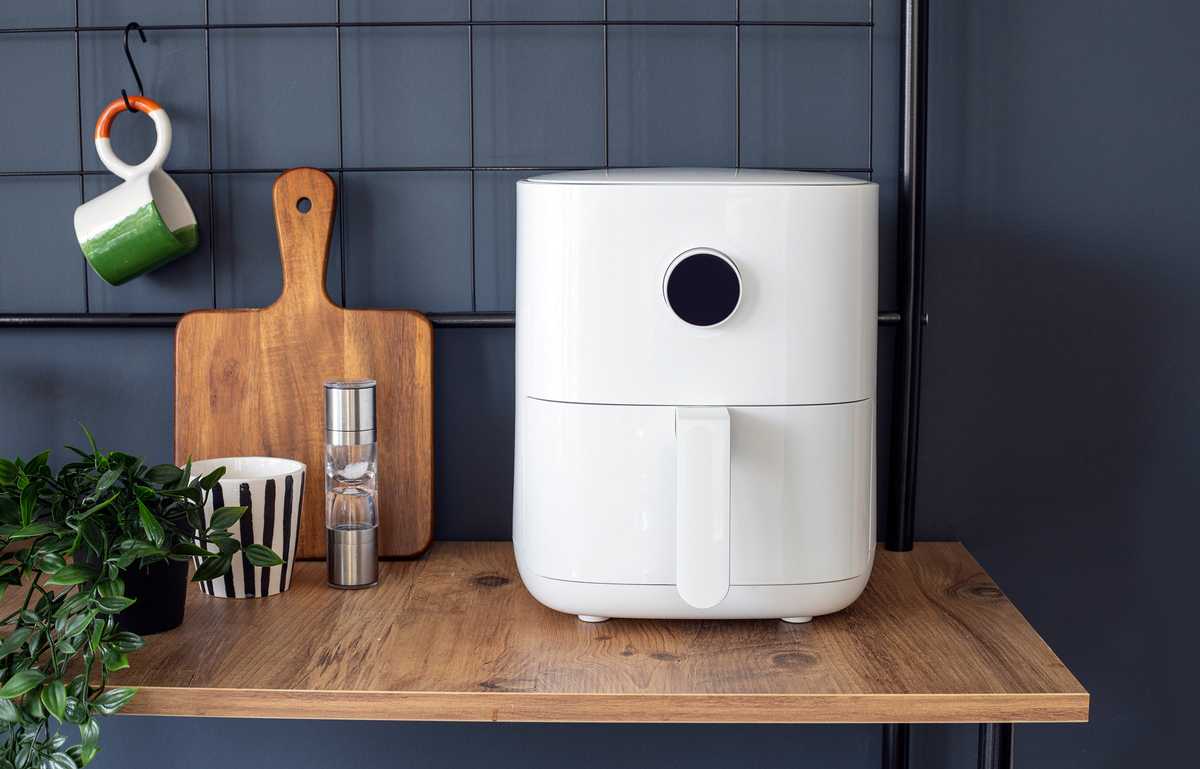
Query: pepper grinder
[351, 497]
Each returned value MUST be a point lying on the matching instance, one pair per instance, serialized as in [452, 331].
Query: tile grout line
[340, 209]
[471, 149]
[87, 298]
[212, 182]
[737, 85]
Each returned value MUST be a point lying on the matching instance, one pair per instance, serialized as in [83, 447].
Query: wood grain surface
[250, 382]
[455, 636]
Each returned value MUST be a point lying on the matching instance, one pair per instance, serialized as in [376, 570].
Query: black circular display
[703, 289]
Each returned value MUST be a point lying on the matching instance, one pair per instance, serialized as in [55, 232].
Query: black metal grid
[995, 746]
[457, 319]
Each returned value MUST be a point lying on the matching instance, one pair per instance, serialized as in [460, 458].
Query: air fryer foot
[796, 620]
[591, 618]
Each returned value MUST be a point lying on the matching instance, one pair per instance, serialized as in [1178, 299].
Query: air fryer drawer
[598, 492]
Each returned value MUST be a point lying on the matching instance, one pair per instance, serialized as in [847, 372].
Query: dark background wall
[1058, 411]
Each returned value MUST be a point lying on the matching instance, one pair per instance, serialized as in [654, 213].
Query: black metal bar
[895, 746]
[446, 23]
[392, 169]
[167, 319]
[899, 535]
[996, 746]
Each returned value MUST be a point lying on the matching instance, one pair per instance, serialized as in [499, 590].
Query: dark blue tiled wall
[433, 124]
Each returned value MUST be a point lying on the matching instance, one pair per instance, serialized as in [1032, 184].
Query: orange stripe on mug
[116, 107]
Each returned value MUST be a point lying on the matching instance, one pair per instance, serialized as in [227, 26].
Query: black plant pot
[161, 593]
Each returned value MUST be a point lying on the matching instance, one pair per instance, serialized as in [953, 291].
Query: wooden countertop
[454, 636]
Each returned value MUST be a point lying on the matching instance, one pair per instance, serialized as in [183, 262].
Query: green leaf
[82, 754]
[99, 506]
[107, 480]
[72, 605]
[187, 548]
[209, 481]
[114, 660]
[150, 524]
[28, 502]
[91, 443]
[111, 587]
[212, 568]
[190, 493]
[14, 641]
[73, 625]
[9, 712]
[8, 472]
[21, 683]
[54, 698]
[72, 575]
[185, 478]
[113, 604]
[225, 543]
[94, 536]
[48, 562]
[126, 642]
[224, 517]
[75, 713]
[261, 555]
[31, 530]
[163, 474]
[58, 760]
[89, 732]
[114, 699]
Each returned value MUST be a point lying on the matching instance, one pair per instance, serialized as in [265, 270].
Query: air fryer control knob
[702, 287]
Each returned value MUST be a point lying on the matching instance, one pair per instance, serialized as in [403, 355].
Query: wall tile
[268, 11]
[672, 10]
[119, 382]
[274, 98]
[539, 96]
[121, 12]
[36, 13]
[806, 10]
[173, 71]
[246, 246]
[40, 260]
[408, 240]
[409, 10]
[496, 239]
[806, 97]
[406, 96]
[40, 116]
[672, 98]
[182, 285]
[473, 424]
[539, 10]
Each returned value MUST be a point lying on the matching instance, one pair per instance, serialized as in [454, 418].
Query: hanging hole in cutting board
[303, 205]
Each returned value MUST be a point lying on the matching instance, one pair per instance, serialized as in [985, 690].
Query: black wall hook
[129, 56]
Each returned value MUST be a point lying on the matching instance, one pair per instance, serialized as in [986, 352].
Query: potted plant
[81, 548]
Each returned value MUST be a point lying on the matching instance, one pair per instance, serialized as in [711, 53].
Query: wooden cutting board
[250, 382]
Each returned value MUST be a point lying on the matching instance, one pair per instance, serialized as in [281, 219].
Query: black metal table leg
[995, 746]
[895, 746]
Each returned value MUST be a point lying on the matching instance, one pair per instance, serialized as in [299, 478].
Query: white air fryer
[695, 431]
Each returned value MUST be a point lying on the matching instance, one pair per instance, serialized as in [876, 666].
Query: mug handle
[162, 144]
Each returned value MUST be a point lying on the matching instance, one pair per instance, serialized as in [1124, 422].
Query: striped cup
[273, 490]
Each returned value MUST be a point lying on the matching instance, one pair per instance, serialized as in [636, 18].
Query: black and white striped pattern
[273, 520]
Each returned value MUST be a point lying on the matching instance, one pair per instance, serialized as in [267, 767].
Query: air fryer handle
[702, 505]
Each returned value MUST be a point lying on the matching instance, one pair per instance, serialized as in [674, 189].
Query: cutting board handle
[305, 199]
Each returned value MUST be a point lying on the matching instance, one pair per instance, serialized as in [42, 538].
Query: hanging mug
[145, 221]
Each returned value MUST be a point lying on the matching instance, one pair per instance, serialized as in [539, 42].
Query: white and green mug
[145, 221]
